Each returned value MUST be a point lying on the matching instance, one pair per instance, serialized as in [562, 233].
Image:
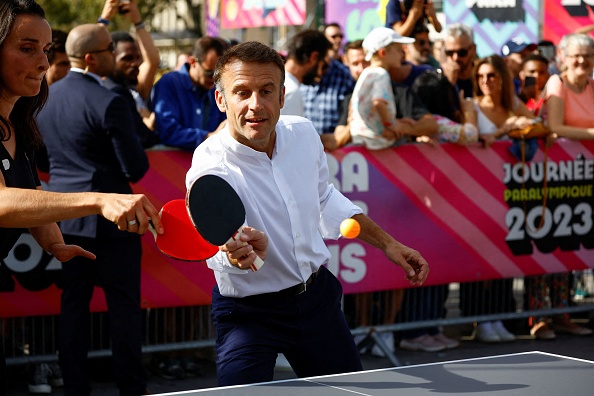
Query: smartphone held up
[123, 7]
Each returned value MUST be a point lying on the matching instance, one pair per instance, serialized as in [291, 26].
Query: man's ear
[90, 61]
[313, 58]
[282, 98]
[220, 100]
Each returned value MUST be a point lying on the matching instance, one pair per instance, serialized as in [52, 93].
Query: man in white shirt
[307, 55]
[278, 167]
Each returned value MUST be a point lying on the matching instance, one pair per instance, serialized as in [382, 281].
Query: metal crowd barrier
[34, 339]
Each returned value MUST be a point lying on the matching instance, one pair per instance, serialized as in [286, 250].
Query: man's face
[103, 55]
[355, 60]
[317, 69]
[538, 70]
[462, 51]
[334, 35]
[127, 62]
[419, 51]
[58, 68]
[252, 98]
[201, 73]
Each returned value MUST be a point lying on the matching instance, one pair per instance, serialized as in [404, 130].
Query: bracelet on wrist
[387, 124]
[139, 25]
[103, 21]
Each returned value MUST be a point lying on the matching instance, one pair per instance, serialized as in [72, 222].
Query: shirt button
[298, 235]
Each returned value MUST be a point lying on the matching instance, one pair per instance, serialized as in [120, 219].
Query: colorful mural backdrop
[565, 16]
[356, 17]
[473, 213]
[256, 13]
[213, 21]
[495, 22]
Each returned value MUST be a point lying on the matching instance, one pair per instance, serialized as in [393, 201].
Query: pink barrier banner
[256, 13]
[473, 213]
[562, 17]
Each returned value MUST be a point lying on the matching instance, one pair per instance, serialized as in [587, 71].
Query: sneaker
[55, 376]
[38, 380]
[423, 343]
[448, 342]
[504, 335]
[542, 331]
[388, 338]
[170, 369]
[567, 326]
[191, 368]
[486, 333]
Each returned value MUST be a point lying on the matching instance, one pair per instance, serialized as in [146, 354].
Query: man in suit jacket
[92, 146]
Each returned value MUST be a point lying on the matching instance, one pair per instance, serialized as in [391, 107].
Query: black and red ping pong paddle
[217, 211]
[181, 241]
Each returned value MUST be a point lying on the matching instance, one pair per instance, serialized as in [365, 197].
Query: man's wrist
[139, 25]
[103, 21]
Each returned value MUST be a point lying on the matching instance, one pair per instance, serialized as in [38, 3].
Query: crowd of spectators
[392, 87]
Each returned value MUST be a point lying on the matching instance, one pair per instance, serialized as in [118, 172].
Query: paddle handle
[258, 262]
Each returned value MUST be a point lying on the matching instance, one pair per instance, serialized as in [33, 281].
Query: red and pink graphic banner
[562, 17]
[473, 213]
[257, 13]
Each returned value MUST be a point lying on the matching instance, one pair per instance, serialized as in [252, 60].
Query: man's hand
[110, 9]
[67, 252]
[242, 253]
[451, 70]
[411, 261]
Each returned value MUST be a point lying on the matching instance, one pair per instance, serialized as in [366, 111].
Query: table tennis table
[528, 373]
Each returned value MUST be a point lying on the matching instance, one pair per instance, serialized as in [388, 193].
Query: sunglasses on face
[461, 52]
[111, 48]
[208, 73]
[340, 36]
[423, 42]
[488, 76]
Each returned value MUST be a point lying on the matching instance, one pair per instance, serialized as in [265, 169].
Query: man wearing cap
[514, 52]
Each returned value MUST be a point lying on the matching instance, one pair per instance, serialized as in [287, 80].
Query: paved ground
[573, 346]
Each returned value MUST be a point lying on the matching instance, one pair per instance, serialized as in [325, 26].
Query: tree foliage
[65, 14]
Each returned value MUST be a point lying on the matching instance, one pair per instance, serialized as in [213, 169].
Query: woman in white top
[498, 108]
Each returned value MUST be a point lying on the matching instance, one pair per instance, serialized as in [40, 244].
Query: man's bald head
[84, 39]
[90, 47]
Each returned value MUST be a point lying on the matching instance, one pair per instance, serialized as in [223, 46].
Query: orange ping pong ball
[350, 228]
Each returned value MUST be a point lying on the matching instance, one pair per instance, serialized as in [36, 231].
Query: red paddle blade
[181, 241]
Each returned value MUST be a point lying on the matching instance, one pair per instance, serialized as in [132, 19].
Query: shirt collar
[87, 73]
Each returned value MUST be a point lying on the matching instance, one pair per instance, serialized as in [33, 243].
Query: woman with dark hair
[25, 38]
[499, 111]
[498, 108]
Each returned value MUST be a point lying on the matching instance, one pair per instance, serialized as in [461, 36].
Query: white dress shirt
[287, 197]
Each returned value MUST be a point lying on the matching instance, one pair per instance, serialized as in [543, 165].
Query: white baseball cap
[380, 38]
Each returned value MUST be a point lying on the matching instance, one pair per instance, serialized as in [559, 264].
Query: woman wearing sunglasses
[498, 108]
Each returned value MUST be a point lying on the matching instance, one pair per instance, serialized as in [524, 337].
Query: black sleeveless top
[18, 172]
